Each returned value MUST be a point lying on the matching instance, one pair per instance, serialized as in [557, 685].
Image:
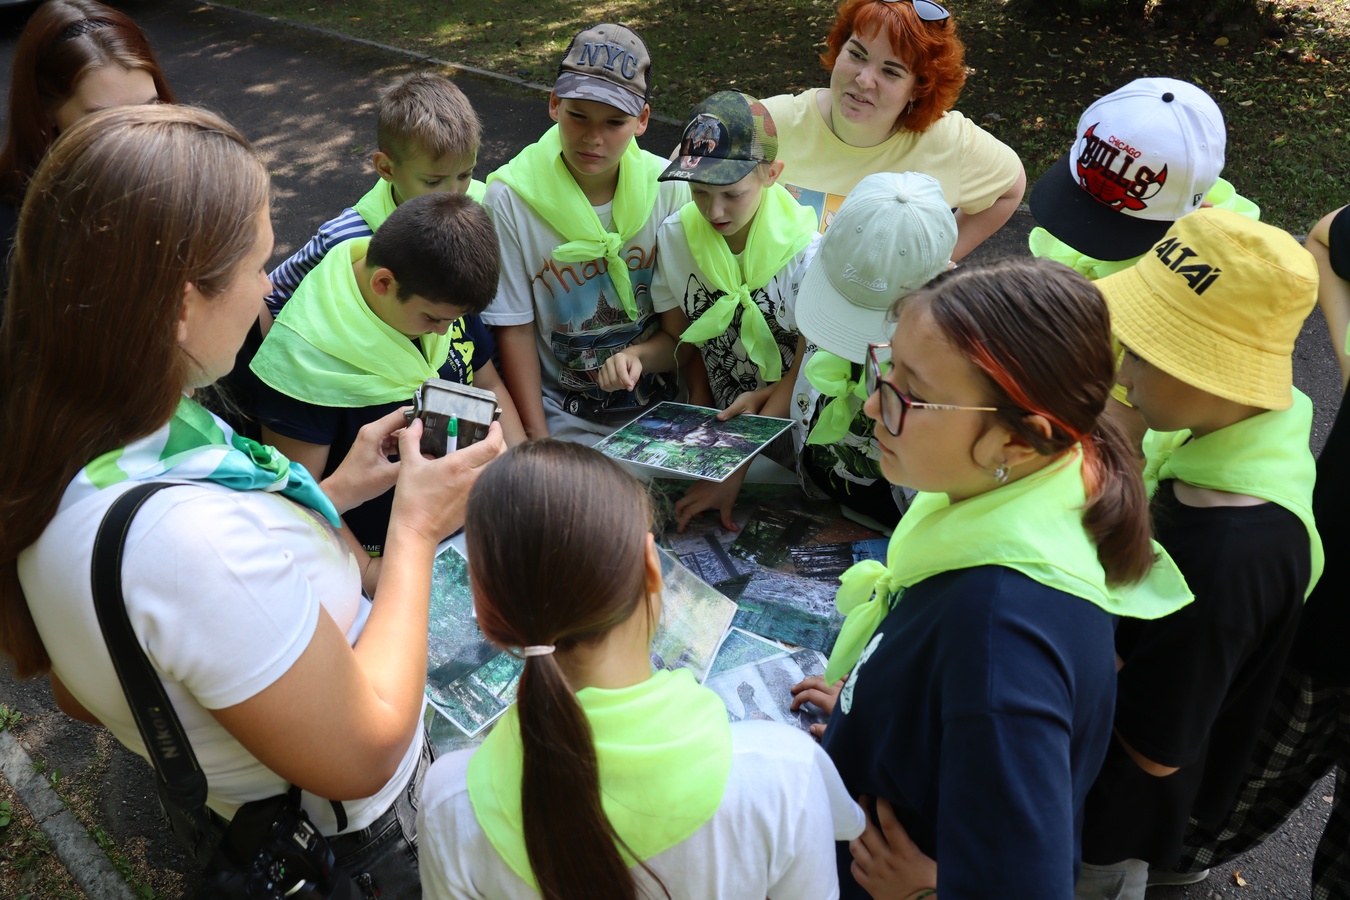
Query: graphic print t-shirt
[579, 319]
[680, 283]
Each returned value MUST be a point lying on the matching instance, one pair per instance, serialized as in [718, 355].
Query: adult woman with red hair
[896, 68]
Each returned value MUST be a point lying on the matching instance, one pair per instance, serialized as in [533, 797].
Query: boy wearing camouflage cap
[729, 265]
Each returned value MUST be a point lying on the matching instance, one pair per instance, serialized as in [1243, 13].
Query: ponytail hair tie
[537, 650]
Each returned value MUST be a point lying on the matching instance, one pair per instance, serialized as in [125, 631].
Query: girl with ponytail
[604, 779]
[980, 661]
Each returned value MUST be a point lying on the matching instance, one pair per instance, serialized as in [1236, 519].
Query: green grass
[1284, 86]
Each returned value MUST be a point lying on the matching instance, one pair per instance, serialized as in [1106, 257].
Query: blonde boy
[428, 135]
[576, 216]
[730, 263]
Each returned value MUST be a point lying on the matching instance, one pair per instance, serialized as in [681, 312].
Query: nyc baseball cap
[893, 234]
[1145, 156]
[1218, 304]
[609, 64]
[726, 137]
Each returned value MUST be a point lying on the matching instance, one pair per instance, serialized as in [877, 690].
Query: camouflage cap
[726, 137]
[609, 64]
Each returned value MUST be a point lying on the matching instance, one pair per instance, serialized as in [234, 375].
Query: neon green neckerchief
[781, 228]
[1045, 245]
[833, 376]
[378, 202]
[327, 347]
[540, 177]
[664, 754]
[1033, 525]
[1265, 456]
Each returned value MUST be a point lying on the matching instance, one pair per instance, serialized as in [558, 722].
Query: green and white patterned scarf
[196, 446]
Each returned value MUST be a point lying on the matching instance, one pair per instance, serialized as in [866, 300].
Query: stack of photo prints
[750, 613]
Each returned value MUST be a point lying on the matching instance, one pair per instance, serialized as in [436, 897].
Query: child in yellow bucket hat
[1307, 734]
[1208, 320]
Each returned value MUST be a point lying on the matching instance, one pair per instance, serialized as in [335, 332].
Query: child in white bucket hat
[893, 234]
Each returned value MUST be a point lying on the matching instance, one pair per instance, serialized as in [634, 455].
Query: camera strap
[181, 779]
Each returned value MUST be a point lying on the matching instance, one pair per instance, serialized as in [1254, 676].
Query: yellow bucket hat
[1218, 303]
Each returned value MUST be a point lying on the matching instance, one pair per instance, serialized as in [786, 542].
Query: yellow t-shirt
[973, 166]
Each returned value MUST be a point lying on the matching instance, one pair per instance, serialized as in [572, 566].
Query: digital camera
[452, 411]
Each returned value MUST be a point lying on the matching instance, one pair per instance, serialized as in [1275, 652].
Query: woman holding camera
[896, 68]
[138, 269]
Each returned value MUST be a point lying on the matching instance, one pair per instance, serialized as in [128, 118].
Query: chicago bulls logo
[1103, 168]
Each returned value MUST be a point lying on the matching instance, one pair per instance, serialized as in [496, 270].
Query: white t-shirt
[223, 589]
[974, 167]
[773, 836]
[680, 283]
[579, 318]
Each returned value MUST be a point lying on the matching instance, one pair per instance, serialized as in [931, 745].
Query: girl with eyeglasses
[978, 708]
[896, 68]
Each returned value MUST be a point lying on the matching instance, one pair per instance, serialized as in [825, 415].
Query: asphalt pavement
[307, 100]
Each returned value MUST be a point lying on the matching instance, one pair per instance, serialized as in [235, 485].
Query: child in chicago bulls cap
[1208, 320]
[1144, 156]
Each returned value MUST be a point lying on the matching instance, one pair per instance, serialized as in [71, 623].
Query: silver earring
[1001, 473]
[909, 107]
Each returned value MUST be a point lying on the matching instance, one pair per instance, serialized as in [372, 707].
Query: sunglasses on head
[926, 10]
[894, 404]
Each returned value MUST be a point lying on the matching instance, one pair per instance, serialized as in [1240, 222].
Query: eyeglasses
[926, 10]
[895, 405]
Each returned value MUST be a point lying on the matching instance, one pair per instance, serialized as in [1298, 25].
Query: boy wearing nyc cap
[1208, 321]
[576, 216]
[893, 234]
[1307, 732]
[730, 263]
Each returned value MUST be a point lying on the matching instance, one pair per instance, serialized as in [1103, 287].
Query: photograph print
[688, 440]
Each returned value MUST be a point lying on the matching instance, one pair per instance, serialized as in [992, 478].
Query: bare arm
[486, 377]
[312, 456]
[1153, 768]
[520, 371]
[68, 704]
[1333, 293]
[338, 722]
[779, 403]
[973, 228]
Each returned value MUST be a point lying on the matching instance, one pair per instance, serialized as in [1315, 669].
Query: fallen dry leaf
[1221, 42]
[1326, 799]
[1238, 879]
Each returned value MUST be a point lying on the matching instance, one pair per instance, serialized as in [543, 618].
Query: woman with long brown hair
[604, 779]
[896, 69]
[138, 268]
[74, 57]
[980, 658]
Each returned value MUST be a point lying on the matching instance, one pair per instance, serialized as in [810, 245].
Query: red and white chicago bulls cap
[1145, 155]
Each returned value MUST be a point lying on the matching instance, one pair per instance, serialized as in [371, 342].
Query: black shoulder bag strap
[181, 781]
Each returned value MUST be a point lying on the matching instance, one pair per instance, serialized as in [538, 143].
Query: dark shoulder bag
[270, 849]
